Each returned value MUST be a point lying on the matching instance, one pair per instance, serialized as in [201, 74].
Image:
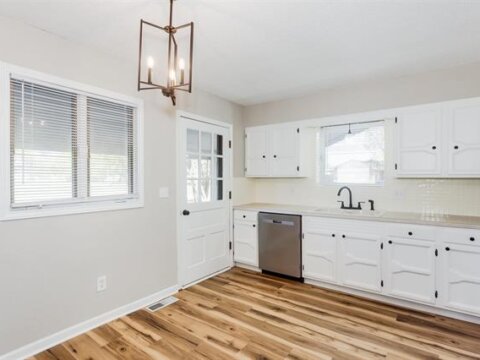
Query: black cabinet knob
[275, 156]
[186, 212]
[244, 216]
[410, 233]
[343, 236]
[472, 239]
[447, 248]
[434, 147]
[263, 156]
[254, 225]
[456, 147]
[333, 235]
[390, 241]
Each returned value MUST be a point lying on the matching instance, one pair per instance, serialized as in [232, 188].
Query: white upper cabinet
[419, 142]
[274, 151]
[256, 151]
[440, 140]
[463, 129]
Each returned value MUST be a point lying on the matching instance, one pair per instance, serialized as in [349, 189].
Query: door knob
[185, 212]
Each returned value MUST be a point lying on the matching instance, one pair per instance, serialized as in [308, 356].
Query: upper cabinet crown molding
[275, 151]
[439, 140]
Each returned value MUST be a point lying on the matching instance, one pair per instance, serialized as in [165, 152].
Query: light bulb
[181, 64]
[150, 62]
[173, 77]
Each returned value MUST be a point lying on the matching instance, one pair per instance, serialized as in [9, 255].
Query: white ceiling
[252, 51]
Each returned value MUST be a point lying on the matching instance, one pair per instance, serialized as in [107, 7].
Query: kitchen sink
[333, 211]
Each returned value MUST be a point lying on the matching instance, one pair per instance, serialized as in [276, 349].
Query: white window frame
[321, 157]
[68, 207]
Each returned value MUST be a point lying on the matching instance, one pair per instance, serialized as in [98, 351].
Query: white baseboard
[398, 302]
[75, 330]
[248, 267]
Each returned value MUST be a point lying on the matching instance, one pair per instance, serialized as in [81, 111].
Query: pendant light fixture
[176, 72]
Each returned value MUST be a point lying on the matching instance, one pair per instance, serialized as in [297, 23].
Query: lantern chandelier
[177, 74]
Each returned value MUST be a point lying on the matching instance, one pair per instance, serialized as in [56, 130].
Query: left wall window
[70, 150]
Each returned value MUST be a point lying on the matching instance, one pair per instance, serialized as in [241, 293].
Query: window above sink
[352, 153]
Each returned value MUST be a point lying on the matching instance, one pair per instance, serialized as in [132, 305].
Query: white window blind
[69, 147]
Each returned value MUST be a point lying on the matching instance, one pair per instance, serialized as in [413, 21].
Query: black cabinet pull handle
[390, 241]
[434, 147]
[472, 239]
[447, 248]
[456, 147]
[410, 233]
[185, 212]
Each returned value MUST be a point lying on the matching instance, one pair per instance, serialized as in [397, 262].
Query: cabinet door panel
[319, 256]
[360, 264]
[284, 151]
[419, 142]
[410, 269]
[464, 140]
[461, 278]
[245, 243]
[256, 152]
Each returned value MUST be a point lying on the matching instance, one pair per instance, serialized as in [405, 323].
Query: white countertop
[471, 222]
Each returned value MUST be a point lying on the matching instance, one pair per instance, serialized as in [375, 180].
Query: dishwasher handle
[279, 222]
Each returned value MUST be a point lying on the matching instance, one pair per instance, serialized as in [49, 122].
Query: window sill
[85, 208]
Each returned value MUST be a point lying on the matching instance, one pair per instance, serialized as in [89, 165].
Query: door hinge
[381, 246]
[298, 130]
[245, 169]
[230, 245]
[396, 166]
[436, 294]
[298, 168]
[230, 195]
[381, 283]
[303, 267]
[303, 236]
[396, 120]
[229, 144]
[436, 252]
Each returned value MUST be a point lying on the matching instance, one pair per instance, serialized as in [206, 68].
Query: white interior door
[204, 205]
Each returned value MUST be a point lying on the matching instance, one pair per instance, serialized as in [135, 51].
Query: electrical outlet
[101, 283]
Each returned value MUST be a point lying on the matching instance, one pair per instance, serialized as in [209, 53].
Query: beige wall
[49, 266]
[429, 196]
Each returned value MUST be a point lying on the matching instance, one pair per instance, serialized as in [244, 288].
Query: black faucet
[350, 205]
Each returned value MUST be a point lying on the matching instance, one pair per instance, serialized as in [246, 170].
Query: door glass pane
[192, 140]
[219, 189]
[206, 143]
[218, 150]
[219, 167]
[206, 190]
[192, 191]
[192, 167]
[206, 167]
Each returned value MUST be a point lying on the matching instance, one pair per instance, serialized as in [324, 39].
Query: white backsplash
[429, 196]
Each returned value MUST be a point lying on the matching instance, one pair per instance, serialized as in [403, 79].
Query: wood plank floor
[245, 315]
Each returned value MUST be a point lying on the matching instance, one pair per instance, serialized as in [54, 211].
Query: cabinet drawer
[462, 236]
[243, 215]
[411, 231]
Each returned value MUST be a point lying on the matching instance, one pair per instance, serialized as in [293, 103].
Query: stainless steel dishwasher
[280, 243]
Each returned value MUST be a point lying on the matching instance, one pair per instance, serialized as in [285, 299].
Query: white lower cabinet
[434, 266]
[245, 237]
[360, 261]
[460, 271]
[410, 269]
[319, 250]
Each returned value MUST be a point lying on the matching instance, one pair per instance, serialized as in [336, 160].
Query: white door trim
[179, 170]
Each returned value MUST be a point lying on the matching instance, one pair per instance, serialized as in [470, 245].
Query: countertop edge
[310, 211]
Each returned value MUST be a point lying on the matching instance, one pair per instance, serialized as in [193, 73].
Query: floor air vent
[162, 303]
